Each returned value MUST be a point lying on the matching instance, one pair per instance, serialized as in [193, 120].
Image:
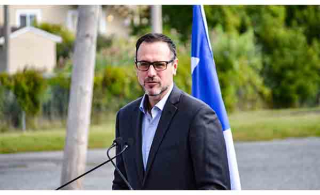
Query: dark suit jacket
[188, 150]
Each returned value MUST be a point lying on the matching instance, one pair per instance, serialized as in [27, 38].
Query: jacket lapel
[137, 121]
[167, 114]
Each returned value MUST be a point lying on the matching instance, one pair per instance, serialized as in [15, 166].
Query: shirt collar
[160, 104]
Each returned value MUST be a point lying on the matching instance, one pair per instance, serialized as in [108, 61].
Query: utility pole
[156, 18]
[79, 111]
[7, 32]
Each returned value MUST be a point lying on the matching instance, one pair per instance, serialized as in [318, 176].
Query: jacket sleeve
[118, 183]
[208, 151]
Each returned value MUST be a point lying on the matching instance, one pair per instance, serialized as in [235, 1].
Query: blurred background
[267, 59]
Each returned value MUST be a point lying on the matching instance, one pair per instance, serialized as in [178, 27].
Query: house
[114, 19]
[30, 48]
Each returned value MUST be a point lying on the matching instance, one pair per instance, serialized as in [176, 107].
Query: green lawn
[246, 126]
[99, 137]
[275, 124]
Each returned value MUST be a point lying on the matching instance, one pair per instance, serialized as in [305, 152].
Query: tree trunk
[7, 31]
[156, 18]
[79, 110]
[23, 121]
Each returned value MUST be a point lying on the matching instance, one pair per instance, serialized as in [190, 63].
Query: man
[178, 140]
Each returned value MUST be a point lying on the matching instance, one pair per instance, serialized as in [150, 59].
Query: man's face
[156, 83]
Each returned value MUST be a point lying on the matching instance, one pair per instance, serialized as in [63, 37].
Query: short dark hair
[156, 37]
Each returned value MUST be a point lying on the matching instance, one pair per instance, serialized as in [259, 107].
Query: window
[26, 17]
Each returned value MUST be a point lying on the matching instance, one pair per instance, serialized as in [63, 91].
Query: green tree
[28, 88]
[178, 17]
[306, 17]
[290, 62]
[10, 111]
[230, 18]
[141, 24]
[292, 69]
[55, 102]
[266, 21]
[239, 62]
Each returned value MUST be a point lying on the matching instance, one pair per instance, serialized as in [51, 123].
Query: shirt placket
[150, 134]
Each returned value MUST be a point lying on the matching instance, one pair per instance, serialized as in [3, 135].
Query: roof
[20, 31]
[12, 30]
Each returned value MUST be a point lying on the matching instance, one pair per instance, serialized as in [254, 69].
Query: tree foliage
[29, 86]
[238, 64]
[24, 91]
[292, 70]
[287, 38]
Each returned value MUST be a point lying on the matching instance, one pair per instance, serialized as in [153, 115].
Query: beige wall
[32, 51]
[55, 14]
[58, 14]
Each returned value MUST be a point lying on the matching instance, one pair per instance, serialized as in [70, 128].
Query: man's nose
[151, 72]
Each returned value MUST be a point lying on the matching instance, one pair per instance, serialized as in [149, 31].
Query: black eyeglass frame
[152, 63]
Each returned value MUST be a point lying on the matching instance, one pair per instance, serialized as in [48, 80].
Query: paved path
[279, 164]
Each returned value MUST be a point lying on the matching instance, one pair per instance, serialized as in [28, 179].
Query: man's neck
[153, 100]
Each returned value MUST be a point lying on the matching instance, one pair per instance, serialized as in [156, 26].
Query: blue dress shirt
[150, 123]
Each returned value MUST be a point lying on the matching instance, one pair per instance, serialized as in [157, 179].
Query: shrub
[29, 86]
[292, 69]
[238, 64]
[55, 105]
[21, 92]
[114, 87]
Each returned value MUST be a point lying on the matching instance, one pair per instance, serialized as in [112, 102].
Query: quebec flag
[205, 85]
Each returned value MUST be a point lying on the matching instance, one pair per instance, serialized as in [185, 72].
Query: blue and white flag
[205, 85]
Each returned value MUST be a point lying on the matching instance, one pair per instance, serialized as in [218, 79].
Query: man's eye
[144, 64]
[160, 64]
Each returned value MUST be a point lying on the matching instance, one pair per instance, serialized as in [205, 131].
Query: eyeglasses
[158, 65]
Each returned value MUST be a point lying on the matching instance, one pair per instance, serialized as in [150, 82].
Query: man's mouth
[151, 84]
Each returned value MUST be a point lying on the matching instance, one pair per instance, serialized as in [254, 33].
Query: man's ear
[175, 66]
